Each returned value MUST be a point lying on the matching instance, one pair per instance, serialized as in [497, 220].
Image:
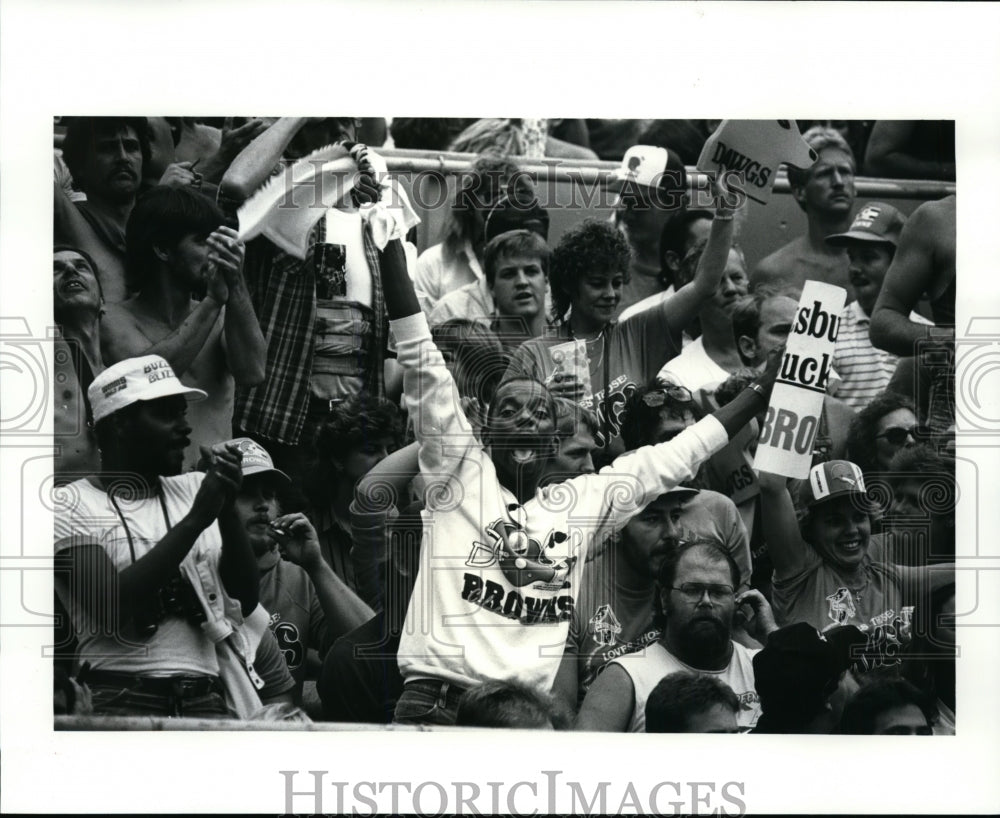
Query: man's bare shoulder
[940, 212]
[782, 267]
[123, 314]
[783, 258]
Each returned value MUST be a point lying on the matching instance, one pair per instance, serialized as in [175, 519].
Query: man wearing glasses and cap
[156, 573]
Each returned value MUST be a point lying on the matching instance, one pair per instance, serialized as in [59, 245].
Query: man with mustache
[502, 555]
[177, 251]
[871, 242]
[696, 598]
[310, 606]
[614, 611]
[153, 566]
[826, 193]
[106, 157]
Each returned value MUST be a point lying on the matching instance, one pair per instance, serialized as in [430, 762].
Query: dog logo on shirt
[522, 559]
[841, 606]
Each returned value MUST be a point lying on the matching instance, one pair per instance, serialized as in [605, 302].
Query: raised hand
[227, 253]
[761, 622]
[235, 140]
[223, 477]
[181, 174]
[767, 378]
[366, 189]
[297, 540]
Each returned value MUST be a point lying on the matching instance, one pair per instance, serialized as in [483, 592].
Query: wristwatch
[756, 387]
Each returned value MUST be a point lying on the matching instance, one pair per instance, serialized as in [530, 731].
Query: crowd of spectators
[504, 481]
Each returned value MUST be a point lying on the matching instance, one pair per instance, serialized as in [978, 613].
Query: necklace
[590, 343]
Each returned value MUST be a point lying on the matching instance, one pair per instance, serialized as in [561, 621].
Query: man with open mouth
[502, 557]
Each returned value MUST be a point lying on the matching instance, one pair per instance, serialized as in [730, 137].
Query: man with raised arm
[322, 316]
[106, 156]
[924, 265]
[152, 564]
[502, 558]
[177, 249]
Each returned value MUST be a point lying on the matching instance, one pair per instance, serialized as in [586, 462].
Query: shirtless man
[177, 246]
[924, 265]
[826, 193]
[77, 305]
[106, 156]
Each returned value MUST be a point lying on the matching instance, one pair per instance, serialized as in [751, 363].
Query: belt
[447, 693]
[324, 404]
[176, 686]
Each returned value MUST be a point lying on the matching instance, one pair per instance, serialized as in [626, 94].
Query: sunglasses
[658, 397]
[896, 435]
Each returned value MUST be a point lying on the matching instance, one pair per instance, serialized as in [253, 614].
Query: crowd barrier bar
[589, 172]
[153, 723]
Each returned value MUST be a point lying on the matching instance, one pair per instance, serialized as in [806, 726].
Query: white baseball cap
[135, 379]
[646, 165]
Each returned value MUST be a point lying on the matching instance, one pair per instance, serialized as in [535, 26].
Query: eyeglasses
[676, 393]
[694, 591]
[897, 435]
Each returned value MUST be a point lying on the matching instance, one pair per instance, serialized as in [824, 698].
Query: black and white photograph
[410, 459]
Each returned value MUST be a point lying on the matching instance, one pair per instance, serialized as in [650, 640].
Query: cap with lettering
[827, 481]
[135, 379]
[875, 222]
[256, 459]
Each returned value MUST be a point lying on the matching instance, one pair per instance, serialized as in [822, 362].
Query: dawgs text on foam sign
[755, 148]
[789, 428]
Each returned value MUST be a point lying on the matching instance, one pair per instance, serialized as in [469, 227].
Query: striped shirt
[865, 371]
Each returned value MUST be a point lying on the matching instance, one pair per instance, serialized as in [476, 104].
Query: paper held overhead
[793, 417]
[288, 205]
[755, 148]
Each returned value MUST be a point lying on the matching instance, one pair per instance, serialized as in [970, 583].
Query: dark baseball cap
[876, 222]
[800, 664]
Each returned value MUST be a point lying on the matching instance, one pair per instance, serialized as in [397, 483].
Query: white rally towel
[286, 207]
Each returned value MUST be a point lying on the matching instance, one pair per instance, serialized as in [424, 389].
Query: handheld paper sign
[789, 429]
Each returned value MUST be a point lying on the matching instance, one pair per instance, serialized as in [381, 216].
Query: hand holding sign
[755, 148]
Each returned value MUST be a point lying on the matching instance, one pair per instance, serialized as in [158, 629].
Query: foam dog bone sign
[755, 148]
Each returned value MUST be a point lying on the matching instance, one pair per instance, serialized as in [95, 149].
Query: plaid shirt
[283, 292]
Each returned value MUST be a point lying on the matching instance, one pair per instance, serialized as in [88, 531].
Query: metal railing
[159, 724]
[591, 171]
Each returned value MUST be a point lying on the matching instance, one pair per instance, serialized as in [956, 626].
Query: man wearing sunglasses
[696, 607]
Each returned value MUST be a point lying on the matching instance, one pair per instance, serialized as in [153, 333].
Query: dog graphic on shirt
[522, 558]
[841, 606]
